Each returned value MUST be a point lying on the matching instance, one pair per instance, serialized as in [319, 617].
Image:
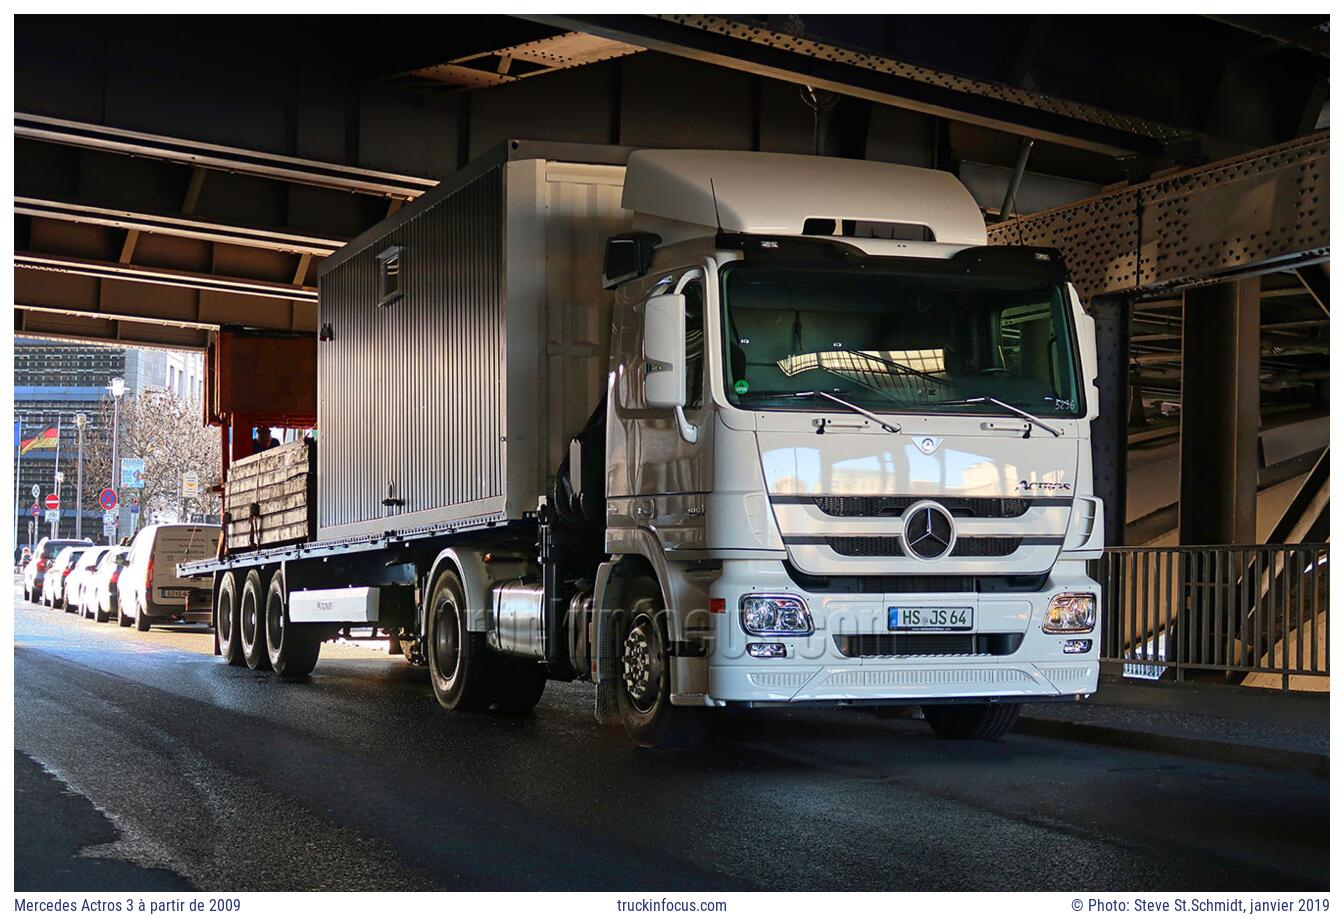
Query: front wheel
[972, 721]
[644, 683]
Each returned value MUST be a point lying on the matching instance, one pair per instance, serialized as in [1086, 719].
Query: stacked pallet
[270, 498]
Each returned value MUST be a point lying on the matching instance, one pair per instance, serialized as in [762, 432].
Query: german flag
[47, 440]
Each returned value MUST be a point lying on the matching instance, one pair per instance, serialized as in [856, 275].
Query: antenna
[718, 223]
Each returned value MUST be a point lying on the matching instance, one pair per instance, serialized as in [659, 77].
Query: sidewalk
[1254, 727]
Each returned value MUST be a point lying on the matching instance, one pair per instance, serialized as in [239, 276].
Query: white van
[151, 590]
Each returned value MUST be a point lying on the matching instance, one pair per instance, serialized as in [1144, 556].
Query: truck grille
[911, 645]
[895, 505]
[891, 546]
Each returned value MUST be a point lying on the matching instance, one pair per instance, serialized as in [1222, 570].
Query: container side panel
[409, 403]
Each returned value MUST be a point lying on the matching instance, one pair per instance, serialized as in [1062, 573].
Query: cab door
[660, 470]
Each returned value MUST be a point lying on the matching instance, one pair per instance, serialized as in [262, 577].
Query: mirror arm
[689, 433]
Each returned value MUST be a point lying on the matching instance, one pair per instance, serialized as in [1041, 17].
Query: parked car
[150, 589]
[76, 583]
[34, 573]
[53, 587]
[99, 597]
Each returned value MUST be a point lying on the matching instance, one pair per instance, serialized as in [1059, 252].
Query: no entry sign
[53, 502]
[107, 499]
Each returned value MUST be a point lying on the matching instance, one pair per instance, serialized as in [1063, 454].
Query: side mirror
[665, 359]
[665, 351]
[1087, 351]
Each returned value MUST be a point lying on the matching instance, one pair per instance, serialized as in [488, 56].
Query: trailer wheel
[519, 685]
[292, 649]
[252, 621]
[226, 620]
[644, 685]
[972, 721]
[460, 663]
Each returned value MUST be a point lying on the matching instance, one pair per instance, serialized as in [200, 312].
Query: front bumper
[814, 669]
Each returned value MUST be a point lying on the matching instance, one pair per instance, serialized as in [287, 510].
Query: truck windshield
[898, 340]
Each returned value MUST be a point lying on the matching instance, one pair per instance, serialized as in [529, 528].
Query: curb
[1249, 755]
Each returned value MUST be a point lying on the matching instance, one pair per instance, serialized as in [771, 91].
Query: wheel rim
[249, 619]
[225, 616]
[446, 640]
[275, 622]
[642, 663]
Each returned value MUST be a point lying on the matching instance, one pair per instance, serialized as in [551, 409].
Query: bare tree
[166, 432]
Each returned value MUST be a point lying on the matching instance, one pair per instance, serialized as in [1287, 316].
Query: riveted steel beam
[1263, 211]
[742, 45]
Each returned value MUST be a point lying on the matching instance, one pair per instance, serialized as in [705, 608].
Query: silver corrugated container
[452, 403]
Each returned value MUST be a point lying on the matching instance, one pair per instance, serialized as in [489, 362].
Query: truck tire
[644, 684]
[972, 721]
[252, 621]
[519, 685]
[461, 666]
[291, 648]
[226, 621]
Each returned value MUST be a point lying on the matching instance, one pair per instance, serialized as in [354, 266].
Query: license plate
[942, 619]
[174, 592]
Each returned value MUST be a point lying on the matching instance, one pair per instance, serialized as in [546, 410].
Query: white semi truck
[708, 429]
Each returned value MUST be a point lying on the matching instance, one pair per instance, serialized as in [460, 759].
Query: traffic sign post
[35, 511]
[53, 515]
[132, 473]
[53, 502]
[107, 499]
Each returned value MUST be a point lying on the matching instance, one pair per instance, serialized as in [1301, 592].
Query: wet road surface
[143, 762]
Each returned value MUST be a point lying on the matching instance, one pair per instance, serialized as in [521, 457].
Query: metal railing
[1244, 609]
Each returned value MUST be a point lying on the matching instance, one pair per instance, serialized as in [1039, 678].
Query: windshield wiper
[1016, 410]
[885, 425]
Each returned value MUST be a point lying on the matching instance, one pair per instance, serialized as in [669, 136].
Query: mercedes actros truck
[706, 429]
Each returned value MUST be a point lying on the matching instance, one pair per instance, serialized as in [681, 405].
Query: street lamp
[117, 386]
[80, 421]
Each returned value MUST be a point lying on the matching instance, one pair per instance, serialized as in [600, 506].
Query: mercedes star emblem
[929, 531]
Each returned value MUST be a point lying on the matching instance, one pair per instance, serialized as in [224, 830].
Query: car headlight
[1071, 613]
[775, 615]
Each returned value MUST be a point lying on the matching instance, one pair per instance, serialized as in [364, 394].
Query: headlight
[775, 615]
[1071, 613]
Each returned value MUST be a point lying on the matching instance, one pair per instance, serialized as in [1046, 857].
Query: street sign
[109, 518]
[53, 516]
[191, 485]
[36, 491]
[134, 508]
[35, 511]
[107, 499]
[53, 501]
[60, 477]
[109, 530]
[132, 473]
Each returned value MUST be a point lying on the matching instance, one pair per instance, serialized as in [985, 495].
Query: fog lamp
[775, 615]
[766, 650]
[1070, 613]
[1077, 646]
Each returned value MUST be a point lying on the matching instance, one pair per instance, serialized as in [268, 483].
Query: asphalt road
[142, 762]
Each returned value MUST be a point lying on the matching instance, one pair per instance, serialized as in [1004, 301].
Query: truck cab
[851, 441]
